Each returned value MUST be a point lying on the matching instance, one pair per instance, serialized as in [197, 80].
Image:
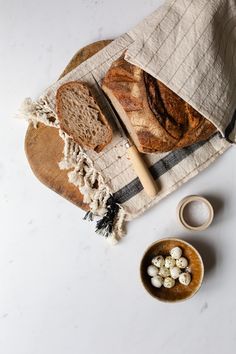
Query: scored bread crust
[74, 104]
[157, 119]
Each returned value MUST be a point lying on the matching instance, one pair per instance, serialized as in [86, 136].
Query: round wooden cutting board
[44, 147]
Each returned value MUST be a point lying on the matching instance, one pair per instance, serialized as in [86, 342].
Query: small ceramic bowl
[179, 292]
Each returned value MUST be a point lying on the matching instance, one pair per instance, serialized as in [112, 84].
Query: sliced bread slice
[80, 116]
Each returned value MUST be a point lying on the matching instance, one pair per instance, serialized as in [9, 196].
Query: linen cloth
[189, 45]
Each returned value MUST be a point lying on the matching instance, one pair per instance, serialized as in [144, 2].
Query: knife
[139, 166]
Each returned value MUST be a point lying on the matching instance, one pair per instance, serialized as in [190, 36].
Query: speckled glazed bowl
[179, 292]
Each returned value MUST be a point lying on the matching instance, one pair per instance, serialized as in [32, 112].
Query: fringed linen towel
[189, 46]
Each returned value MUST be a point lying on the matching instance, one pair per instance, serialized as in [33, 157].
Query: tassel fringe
[38, 112]
[82, 174]
[94, 189]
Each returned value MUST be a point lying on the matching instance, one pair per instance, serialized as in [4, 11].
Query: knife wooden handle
[142, 171]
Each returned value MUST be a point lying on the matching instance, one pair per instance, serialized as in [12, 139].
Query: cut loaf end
[81, 117]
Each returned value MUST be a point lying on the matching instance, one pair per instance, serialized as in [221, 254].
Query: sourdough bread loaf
[157, 119]
[80, 116]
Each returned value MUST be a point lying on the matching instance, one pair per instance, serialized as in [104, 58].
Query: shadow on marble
[217, 202]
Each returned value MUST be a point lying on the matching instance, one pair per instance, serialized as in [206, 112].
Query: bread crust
[86, 89]
[157, 119]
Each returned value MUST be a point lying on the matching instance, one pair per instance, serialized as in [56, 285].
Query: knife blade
[111, 110]
[139, 166]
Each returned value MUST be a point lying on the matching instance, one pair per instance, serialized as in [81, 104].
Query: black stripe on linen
[230, 128]
[157, 170]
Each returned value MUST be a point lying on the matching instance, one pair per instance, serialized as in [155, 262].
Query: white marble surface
[63, 289]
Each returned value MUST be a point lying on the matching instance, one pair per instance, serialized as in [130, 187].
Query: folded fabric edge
[82, 174]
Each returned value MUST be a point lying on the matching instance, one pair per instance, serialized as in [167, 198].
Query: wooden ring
[194, 198]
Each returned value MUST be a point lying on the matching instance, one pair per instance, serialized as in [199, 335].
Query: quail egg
[176, 252]
[182, 262]
[157, 281]
[169, 262]
[185, 278]
[158, 261]
[168, 282]
[164, 272]
[175, 272]
[152, 270]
